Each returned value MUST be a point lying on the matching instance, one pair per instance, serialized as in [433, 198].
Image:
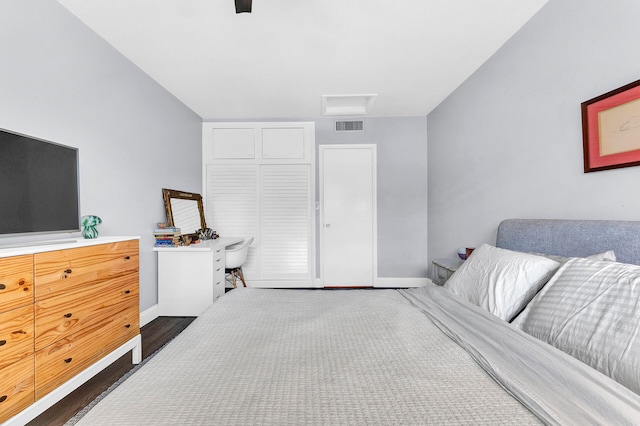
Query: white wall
[508, 142]
[59, 81]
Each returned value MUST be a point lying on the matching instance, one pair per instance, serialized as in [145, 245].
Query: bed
[430, 355]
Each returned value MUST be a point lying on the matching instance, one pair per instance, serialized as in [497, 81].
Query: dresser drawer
[67, 357]
[61, 271]
[16, 335]
[65, 314]
[16, 387]
[16, 282]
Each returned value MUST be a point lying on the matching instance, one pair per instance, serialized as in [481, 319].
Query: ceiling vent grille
[350, 126]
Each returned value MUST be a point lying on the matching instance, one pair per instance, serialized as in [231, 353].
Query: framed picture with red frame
[611, 129]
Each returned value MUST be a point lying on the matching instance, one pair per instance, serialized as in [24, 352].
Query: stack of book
[167, 237]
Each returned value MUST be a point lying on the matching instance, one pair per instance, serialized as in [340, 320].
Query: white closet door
[232, 206]
[284, 221]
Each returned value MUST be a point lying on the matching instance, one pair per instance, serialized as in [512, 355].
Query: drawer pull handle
[68, 315]
[3, 342]
[2, 286]
[3, 398]
[127, 291]
[127, 258]
[68, 360]
[127, 326]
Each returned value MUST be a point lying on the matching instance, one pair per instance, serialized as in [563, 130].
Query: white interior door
[348, 215]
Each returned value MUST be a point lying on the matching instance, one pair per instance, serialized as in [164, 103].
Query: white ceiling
[279, 60]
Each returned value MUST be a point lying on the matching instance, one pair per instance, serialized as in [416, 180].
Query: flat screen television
[39, 189]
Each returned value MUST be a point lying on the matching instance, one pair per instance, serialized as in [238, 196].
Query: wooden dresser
[66, 312]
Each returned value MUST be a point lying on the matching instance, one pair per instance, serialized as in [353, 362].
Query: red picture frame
[611, 129]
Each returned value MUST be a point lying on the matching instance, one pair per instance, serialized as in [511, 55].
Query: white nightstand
[442, 269]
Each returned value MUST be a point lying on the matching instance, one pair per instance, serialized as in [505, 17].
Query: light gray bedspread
[293, 357]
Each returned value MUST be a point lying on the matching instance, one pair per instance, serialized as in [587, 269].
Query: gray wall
[59, 81]
[508, 142]
[402, 188]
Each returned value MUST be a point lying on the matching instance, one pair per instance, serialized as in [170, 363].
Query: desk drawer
[16, 282]
[218, 273]
[57, 272]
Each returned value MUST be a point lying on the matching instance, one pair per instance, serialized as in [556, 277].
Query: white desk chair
[235, 256]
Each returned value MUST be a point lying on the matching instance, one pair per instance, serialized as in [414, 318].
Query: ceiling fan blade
[243, 6]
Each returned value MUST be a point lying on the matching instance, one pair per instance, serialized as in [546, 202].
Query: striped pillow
[591, 310]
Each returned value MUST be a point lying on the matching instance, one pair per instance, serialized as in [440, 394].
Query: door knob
[328, 225]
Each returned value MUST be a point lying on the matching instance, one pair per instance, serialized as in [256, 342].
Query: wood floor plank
[154, 336]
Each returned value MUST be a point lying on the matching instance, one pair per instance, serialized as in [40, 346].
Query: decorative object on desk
[207, 234]
[89, 224]
[184, 211]
[610, 128]
[167, 237]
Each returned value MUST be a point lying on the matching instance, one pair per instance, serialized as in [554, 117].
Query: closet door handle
[68, 315]
[2, 286]
[68, 360]
[127, 291]
[68, 271]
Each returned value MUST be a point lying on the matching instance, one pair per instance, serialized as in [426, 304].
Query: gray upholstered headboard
[572, 237]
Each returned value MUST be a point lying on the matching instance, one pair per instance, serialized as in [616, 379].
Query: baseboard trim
[391, 282]
[401, 282]
[149, 315]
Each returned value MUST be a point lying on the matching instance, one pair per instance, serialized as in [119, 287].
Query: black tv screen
[38, 186]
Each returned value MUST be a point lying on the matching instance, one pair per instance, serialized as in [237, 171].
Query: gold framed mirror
[184, 211]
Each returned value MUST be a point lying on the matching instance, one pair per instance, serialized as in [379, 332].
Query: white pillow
[499, 280]
[591, 310]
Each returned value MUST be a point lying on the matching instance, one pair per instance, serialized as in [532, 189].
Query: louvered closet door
[284, 221]
[270, 203]
[232, 206]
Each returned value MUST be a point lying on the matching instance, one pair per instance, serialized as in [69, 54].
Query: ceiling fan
[243, 6]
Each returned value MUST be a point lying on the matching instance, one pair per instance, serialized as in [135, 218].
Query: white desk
[191, 278]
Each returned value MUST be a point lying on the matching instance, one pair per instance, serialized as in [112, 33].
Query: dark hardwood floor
[154, 335]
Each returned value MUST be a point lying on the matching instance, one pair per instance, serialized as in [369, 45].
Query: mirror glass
[184, 211]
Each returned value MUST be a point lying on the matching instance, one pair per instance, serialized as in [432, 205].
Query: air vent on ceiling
[350, 126]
